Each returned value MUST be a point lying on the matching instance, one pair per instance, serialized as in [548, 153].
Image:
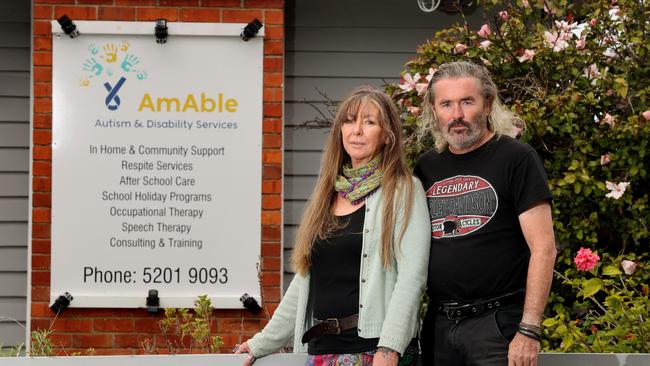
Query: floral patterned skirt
[409, 358]
[346, 359]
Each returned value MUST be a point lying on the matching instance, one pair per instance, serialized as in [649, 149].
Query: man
[492, 248]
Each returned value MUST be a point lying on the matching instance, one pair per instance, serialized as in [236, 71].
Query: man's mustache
[458, 123]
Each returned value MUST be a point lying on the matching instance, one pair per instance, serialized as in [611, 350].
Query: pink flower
[485, 31]
[528, 55]
[581, 43]
[628, 266]
[460, 48]
[646, 115]
[409, 82]
[414, 110]
[516, 131]
[592, 73]
[486, 62]
[564, 25]
[609, 119]
[504, 15]
[610, 54]
[430, 76]
[556, 41]
[421, 88]
[604, 159]
[550, 11]
[593, 22]
[616, 190]
[586, 260]
[485, 44]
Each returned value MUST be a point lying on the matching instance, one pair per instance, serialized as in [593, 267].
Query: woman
[361, 251]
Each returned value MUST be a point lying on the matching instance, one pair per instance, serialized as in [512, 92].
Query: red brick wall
[121, 331]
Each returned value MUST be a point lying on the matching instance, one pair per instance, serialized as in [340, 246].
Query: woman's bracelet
[530, 331]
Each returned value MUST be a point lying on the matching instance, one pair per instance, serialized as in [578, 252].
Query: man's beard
[465, 139]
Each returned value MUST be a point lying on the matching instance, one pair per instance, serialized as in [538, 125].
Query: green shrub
[578, 76]
[185, 331]
[613, 308]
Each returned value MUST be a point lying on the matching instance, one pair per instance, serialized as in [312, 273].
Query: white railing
[297, 359]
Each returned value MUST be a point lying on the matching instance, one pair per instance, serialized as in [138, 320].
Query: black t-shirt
[477, 247]
[334, 285]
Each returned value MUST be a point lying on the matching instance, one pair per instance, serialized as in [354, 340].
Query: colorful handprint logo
[103, 62]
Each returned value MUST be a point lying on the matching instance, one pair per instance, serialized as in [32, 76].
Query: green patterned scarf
[356, 184]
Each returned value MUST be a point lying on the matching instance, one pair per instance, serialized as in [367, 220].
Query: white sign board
[156, 164]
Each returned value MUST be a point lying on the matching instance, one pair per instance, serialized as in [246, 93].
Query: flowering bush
[577, 74]
[611, 311]
[586, 260]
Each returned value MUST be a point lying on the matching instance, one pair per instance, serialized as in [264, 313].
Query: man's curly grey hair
[501, 120]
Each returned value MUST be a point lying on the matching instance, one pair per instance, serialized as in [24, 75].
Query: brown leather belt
[330, 326]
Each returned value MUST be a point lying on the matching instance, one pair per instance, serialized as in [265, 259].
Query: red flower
[586, 260]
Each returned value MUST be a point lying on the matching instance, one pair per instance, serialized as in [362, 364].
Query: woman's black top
[334, 285]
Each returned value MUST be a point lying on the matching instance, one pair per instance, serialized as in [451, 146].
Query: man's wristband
[530, 331]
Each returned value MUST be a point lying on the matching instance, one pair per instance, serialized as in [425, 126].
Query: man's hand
[243, 348]
[385, 357]
[523, 351]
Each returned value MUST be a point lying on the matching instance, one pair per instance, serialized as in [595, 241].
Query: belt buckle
[453, 313]
[337, 326]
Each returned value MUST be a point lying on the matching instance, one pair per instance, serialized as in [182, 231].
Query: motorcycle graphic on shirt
[460, 205]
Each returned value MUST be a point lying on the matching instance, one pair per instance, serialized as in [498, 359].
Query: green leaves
[564, 96]
[591, 287]
[189, 332]
[611, 270]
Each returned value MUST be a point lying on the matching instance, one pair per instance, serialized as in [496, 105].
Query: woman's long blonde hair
[319, 220]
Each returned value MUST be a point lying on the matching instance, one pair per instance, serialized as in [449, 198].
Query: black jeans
[476, 341]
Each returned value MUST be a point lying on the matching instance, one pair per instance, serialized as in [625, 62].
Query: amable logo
[113, 100]
[104, 67]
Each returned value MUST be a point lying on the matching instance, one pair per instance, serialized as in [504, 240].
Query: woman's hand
[385, 357]
[243, 348]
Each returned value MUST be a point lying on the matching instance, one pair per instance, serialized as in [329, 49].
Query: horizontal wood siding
[14, 167]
